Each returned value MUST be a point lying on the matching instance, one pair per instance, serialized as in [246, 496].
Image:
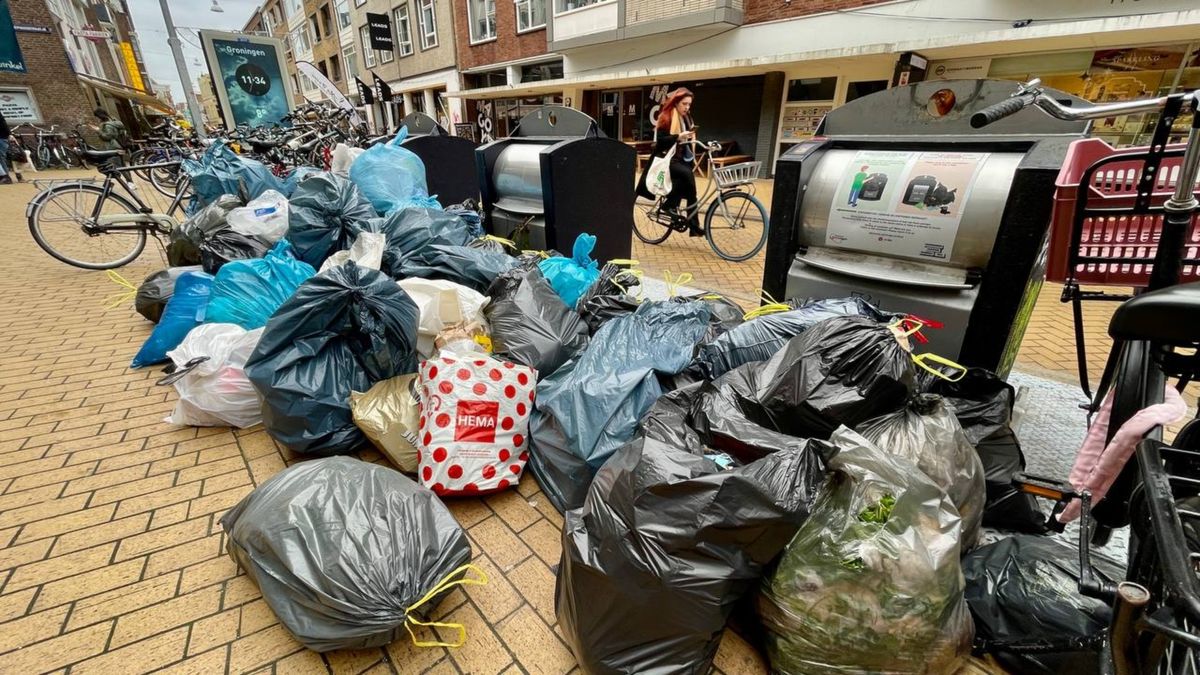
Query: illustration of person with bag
[857, 186]
[670, 174]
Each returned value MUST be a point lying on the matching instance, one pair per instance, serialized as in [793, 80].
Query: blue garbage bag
[325, 215]
[590, 407]
[469, 213]
[571, 277]
[185, 310]
[390, 175]
[221, 171]
[247, 292]
[472, 267]
[296, 177]
[343, 330]
[410, 232]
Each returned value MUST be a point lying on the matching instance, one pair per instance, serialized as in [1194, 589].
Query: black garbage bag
[156, 290]
[670, 538]
[983, 404]
[344, 550]
[228, 245]
[590, 407]
[724, 314]
[609, 297]
[926, 433]
[469, 211]
[325, 215]
[759, 338]
[841, 372]
[183, 244]
[1029, 614]
[343, 330]
[471, 267]
[530, 324]
[409, 232]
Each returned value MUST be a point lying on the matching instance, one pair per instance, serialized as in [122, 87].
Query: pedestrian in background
[112, 132]
[5, 134]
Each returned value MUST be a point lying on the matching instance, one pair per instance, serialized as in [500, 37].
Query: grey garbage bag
[724, 314]
[670, 538]
[983, 404]
[342, 549]
[1029, 614]
[609, 297]
[156, 289]
[343, 330]
[471, 267]
[590, 407]
[530, 324]
[843, 371]
[759, 338]
[926, 433]
[183, 244]
[871, 583]
[325, 215]
[410, 231]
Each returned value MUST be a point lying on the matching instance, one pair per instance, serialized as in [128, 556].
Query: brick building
[47, 92]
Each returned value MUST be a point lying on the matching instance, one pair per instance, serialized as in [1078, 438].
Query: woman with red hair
[675, 129]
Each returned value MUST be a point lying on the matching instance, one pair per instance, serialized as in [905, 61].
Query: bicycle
[735, 221]
[95, 227]
[50, 151]
[1156, 336]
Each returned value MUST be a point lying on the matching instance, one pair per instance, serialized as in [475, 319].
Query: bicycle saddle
[1169, 315]
[265, 143]
[97, 156]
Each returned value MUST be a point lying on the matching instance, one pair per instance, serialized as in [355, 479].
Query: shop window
[428, 23]
[531, 15]
[812, 89]
[481, 17]
[368, 54]
[404, 41]
[860, 89]
[491, 78]
[418, 101]
[538, 72]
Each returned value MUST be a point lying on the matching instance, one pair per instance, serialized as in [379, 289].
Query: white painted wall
[586, 20]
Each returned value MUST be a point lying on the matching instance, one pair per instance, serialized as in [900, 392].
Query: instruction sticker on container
[906, 204]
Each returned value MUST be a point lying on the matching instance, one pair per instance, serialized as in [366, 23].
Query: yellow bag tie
[941, 361]
[445, 584]
[673, 286]
[625, 262]
[121, 297]
[900, 331]
[491, 237]
[541, 254]
[770, 306]
[636, 273]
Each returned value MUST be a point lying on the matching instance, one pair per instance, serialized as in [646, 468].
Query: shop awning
[123, 91]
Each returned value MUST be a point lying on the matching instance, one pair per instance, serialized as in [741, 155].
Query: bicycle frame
[162, 222]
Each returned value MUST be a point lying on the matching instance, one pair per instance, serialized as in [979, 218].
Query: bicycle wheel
[57, 218]
[166, 181]
[736, 226]
[648, 223]
[43, 157]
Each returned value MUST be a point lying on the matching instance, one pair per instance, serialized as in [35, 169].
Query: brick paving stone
[302, 663]
[157, 618]
[89, 583]
[32, 628]
[209, 662]
[140, 657]
[214, 630]
[540, 649]
[122, 600]
[353, 661]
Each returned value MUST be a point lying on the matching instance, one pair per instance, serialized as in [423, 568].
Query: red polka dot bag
[473, 432]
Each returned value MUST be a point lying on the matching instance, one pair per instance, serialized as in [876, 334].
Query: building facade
[207, 96]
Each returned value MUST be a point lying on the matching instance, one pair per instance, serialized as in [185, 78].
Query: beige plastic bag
[387, 414]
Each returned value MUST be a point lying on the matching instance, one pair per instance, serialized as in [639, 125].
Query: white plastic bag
[265, 217]
[442, 304]
[343, 157]
[366, 251]
[215, 392]
[474, 425]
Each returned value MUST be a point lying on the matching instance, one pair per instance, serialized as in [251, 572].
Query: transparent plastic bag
[265, 218]
[871, 583]
[215, 392]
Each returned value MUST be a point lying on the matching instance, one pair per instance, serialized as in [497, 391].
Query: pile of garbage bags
[798, 468]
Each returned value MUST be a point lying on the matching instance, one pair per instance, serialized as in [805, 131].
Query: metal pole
[181, 66]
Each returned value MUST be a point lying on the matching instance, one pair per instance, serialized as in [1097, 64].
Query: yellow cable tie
[942, 361]
[449, 581]
[770, 306]
[121, 297]
[627, 262]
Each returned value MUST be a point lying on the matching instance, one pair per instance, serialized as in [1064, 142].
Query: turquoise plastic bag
[390, 176]
[247, 292]
[185, 310]
[221, 171]
[571, 277]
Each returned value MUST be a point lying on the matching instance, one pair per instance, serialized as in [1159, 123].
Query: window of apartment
[350, 60]
[386, 55]
[428, 21]
[295, 83]
[323, 68]
[481, 17]
[300, 40]
[314, 29]
[335, 68]
[537, 72]
[293, 7]
[343, 14]
[326, 20]
[364, 36]
[490, 78]
[531, 14]
[404, 43]
[561, 6]
[268, 23]
[359, 3]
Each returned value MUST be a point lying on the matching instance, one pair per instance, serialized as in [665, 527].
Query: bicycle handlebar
[998, 111]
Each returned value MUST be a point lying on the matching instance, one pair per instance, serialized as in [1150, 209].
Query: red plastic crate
[1131, 237]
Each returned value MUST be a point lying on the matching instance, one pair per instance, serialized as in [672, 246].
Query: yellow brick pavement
[111, 556]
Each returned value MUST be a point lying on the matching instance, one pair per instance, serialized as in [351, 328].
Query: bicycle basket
[737, 174]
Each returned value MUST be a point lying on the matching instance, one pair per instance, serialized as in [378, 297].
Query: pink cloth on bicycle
[1097, 466]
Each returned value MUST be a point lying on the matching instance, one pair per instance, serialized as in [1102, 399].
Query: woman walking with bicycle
[675, 129]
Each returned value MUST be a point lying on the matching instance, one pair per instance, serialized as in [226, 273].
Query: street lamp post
[181, 66]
